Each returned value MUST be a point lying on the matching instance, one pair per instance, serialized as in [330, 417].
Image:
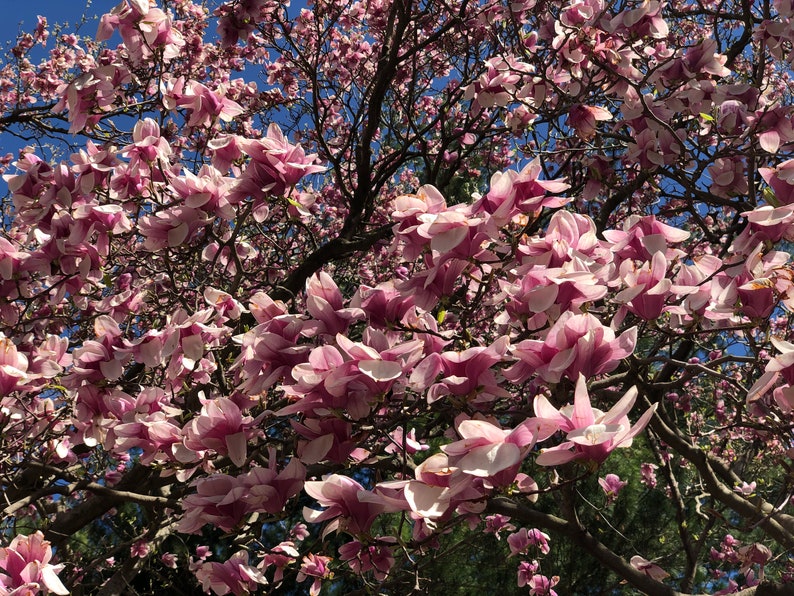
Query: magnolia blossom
[523, 539]
[362, 558]
[234, 576]
[611, 485]
[648, 474]
[220, 426]
[485, 449]
[26, 568]
[577, 344]
[650, 569]
[315, 566]
[591, 433]
[224, 500]
[348, 504]
[13, 366]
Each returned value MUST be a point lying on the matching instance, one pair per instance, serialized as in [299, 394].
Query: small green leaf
[769, 197]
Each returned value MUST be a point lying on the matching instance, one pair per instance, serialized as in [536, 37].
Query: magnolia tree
[305, 298]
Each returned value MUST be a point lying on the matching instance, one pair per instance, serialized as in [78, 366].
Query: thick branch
[778, 525]
[334, 250]
[582, 538]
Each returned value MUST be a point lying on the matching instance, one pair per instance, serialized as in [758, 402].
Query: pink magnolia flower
[466, 373]
[728, 177]
[584, 119]
[400, 442]
[383, 305]
[775, 127]
[497, 85]
[268, 353]
[485, 449]
[611, 485]
[781, 181]
[299, 532]
[315, 566]
[754, 554]
[430, 495]
[325, 303]
[91, 94]
[101, 359]
[225, 500]
[375, 557]
[149, 423]
[280, 556]
[520, 541]
[591, 433]
[575, 345]
[411, 211]
[223, 303]
[645, 20]
[234, 576]
[520, 193]
[208, 191]
[225, 150]
[140, 549]
[352, 508]
[540, 585]
[269, 489]
[207, 106]
[642, 237]
[326, 439]
[452, 233]
[526, 570]
[143, 29]
[694, 283]
[275, 166]
[746, 490]
[647, 286]
[220, 426]
[351, 376]
[26, 567]
[13, 366]
[567, 235]
[650, 569]
[428, 286]
[648, 474]
[218, 501]
[765, 224]
[148, 146]
[541, 293]
[496, 523]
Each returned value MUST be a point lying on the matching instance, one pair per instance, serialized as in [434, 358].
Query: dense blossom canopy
[308, 297]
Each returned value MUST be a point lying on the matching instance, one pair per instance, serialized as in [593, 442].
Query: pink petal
[622, 408]
[380, 370]
[236, 444]
[582, 410]
[314, 451]
[557, 455]
[489, 460]
[50, 579]
[427, 501]
[473, 429]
